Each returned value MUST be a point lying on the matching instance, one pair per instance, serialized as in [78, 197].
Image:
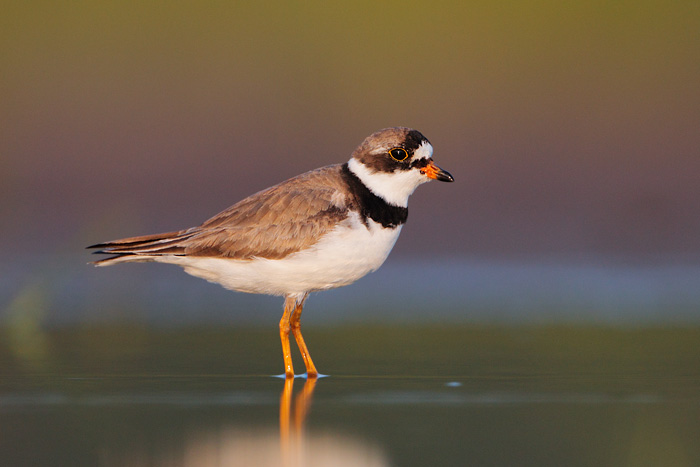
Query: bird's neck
[392, 187]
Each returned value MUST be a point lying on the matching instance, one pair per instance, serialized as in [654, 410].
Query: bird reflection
[292, 439]
[228, 441]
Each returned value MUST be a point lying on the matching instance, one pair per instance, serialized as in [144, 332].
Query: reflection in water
[292, 443]
[234, 445]
[476, 395]
[250, 448]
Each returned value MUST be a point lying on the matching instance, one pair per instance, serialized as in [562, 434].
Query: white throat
[394, 187]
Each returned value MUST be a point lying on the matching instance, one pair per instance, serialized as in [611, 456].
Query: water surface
[396, 395]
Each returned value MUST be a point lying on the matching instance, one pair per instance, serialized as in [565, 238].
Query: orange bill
[436, 173]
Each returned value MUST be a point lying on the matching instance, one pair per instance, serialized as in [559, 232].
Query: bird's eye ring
[398, 154]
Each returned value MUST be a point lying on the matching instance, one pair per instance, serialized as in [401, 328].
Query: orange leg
[295, 322]
[285, 327]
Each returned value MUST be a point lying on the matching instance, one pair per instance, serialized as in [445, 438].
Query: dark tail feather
[141, 248]
[134, 241]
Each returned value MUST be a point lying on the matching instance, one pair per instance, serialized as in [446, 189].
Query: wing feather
[272, 224]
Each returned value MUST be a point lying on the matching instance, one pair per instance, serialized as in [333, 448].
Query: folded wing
[272, 224]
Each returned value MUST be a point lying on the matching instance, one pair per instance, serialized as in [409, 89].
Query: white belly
[339, 258]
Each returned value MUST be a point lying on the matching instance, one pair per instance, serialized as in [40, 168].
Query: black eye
[398, 154]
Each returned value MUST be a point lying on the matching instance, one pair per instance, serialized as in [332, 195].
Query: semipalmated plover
[319, 230]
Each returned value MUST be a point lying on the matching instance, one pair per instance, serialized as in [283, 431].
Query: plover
[319, 230]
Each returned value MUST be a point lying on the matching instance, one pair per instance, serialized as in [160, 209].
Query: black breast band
[370, 205]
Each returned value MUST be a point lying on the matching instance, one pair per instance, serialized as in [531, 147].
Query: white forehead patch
[424, 151]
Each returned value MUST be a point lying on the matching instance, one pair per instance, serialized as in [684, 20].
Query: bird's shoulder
[292, 200]
[277, 221]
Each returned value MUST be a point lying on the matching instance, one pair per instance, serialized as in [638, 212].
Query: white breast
[340, 258]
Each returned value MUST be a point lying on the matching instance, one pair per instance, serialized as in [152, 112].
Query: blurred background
[571, 130]
[544, 309]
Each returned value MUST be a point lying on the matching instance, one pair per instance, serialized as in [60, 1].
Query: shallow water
[463, 395]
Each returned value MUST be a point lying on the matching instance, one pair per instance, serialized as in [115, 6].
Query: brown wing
[272, 223]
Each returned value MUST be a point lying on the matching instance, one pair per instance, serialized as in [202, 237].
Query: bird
[323, 229]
